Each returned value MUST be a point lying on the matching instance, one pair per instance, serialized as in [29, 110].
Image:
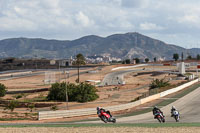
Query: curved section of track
[188, 106]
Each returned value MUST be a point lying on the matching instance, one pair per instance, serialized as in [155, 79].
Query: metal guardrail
[91, 111]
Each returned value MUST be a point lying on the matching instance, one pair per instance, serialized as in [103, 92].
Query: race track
[188, 106]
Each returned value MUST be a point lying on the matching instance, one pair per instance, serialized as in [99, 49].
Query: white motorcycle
[176, 115]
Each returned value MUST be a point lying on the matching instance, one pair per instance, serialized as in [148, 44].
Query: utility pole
[59, 69]
[67, 99]
[182, 56]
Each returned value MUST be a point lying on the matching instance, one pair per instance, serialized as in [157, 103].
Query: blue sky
[172, 21]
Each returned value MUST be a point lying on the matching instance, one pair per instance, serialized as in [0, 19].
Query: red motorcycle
[106, 117]
[159, 116]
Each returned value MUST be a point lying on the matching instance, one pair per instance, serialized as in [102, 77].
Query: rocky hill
[129, 45]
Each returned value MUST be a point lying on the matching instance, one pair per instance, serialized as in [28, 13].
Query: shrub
[86, 93]
[31, 107]
[12, 105]
[54, 108]
[158, 83]
[18, 96]
[82, 92]
[2, 90]
[57, 92]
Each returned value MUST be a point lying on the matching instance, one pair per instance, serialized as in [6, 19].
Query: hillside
[129, 45]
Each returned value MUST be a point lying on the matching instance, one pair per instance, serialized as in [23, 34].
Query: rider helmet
[155, 107]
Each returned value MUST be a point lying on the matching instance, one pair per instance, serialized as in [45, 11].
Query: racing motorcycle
[106, 117]
[160, 117]
[176, 115]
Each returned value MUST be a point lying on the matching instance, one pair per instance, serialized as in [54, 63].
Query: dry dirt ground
[101, 130]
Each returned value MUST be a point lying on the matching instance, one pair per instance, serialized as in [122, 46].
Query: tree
[80, 60]
[146, 60]
[182, 56]
[137, 60]
[198, 57]
[155, 59]
[127, 61]
[176, 56]
[189, 57]
[2, 90]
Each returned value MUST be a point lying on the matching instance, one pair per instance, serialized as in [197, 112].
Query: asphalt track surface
[188, 106]
[36, 72]
[116, 78]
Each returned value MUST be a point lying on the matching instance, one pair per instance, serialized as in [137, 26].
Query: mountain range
[128, 45]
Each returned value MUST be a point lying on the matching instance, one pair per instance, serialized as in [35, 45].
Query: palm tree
[80, 60]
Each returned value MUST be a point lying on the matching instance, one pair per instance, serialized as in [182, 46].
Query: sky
[172, 21]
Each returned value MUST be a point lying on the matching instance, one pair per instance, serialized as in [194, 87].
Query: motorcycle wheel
[159, 119]
[176, 118]
[104, 119]
[163, 120]
[114, 120]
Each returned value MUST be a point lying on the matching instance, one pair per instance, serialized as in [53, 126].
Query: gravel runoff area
[101, 130]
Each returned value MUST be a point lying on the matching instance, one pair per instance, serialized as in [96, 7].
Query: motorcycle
[176, 115]
[106, 117]
[160, 117]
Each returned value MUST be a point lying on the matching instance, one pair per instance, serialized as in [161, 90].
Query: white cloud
[135, 3]
[150, 26]
[70, 19]
[20, 24]
[83, 19]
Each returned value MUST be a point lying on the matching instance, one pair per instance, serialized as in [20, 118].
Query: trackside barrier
[117, 68]
[167, 92]
[150, 98]
[91, 111]
[82, 112]
[66, 113]
[16, 74]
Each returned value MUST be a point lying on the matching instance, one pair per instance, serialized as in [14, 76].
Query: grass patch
[36, 99]
[148, 125]
[13, 119]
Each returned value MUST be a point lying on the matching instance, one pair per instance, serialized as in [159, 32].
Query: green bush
[2, 90]
[86, 92]
[82, 92]
[54, 108]
[57, 92]
[158, 83]
[31, 107]
[12, 105]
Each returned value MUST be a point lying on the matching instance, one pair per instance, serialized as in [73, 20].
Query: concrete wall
[92, 111]
[167, 92]
[150, 98]
[16, 74]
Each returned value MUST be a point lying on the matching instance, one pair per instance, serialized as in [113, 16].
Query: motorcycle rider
[172, 110]
[156, 110]
[99, 110]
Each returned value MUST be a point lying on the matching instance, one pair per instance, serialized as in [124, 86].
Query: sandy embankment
[101, 130]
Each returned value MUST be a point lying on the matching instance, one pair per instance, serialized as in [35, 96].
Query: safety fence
[91, 111]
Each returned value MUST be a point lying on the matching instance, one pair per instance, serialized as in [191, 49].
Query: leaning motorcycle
[176, 115]
[105, 117]
[160, 117]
